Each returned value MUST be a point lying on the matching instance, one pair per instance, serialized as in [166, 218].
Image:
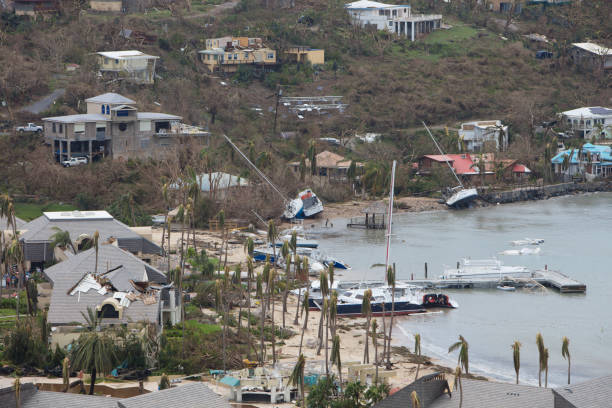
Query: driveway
[44, 103]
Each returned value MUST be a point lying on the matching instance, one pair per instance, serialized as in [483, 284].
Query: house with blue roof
[590, 160]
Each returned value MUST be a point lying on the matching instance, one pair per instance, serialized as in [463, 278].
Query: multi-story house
[226, 54]
[397, 19]
[589, 160]
[591, 55]
[132, 65]
[114, 127]
[588, 122]
[475, 135]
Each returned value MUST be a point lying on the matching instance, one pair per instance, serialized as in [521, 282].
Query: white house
[589, 122]
[133, 65]
[474, 135]
[397, 19]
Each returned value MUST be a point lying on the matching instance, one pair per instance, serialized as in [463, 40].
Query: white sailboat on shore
[460, 196]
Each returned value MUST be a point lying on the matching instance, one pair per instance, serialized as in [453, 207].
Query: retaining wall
[542, 192]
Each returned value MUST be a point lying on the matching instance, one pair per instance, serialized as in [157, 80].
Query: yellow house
[228, 53]
[132, 65]
[303, 54]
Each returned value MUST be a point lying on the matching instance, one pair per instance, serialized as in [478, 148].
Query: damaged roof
[75, 288]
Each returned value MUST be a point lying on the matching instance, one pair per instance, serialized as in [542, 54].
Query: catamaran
[460, 196]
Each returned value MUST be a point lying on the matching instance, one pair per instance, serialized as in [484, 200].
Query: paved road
[44, 103]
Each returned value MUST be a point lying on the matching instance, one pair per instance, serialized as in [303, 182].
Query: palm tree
[287, 257]
[66, 373]
[95, 242]
[417, 353]
[565, 353]
[17, 388]
[375, 342]
[298, 270]
[324, 293]
[414, 398]
[463, 347]
[14, 254]
[335, 357]
[62, 240]
[297, 377]
[516, 356]
[333, 311]
[270, 287]
[94, 352]
[545, 367]
[366, 310]
[458, 385]
[541, 348]
[312, 156]
[306, 309]
[262, 317]
[390, 282]
[250, 273]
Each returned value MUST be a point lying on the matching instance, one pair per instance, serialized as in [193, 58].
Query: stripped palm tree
[545, 367]
[414, 398]
[271, 285]
[262, 317]
[335, 357]
[66, 373]
[287, 257]
[541, 348]
[463, 359]
[565, 353]
[17, 388]
[516, 357]
[366, 310]
[250, 273]
[95, 242]
[325, 313]
[417, 353]
[390, 282]
[297, 377]
[324, 284]
[458, 385]
[333, 311]
[298, 270]
[306, 309]
[375, 342]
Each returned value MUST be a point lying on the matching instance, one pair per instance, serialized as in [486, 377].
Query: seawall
[542, 192]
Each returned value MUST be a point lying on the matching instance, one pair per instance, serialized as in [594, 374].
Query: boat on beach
[349, 303]
[306, 205]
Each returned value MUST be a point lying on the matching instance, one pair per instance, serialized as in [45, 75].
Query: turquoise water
[578, 241]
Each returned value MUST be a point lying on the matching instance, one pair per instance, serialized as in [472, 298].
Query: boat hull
[462, 198]
[400, 308]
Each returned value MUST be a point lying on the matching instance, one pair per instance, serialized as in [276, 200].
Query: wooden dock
[544, 277]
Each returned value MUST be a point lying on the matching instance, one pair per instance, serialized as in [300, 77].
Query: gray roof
[195, 395]
[481, 394]
[111, 97]
[155, 115]
[42, 229]
[590, 394]
[32, 398]
[85, 117]
[4, 225]
[65, 308]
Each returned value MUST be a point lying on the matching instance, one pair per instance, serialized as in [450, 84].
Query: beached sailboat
[460, 196]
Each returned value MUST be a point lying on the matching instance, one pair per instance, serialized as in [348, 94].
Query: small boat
[527, 241]
[301, 242]
[263, 254]
[440, 300]
[506, 288]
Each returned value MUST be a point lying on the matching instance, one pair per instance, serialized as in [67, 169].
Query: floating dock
[543, 277]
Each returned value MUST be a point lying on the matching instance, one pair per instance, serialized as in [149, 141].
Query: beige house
[113, 127]
[106, 5]
[331, 165]
[303, 54]
[226, 54]
[132, 65]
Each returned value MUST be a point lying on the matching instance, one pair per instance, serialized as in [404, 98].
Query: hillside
[476, 69]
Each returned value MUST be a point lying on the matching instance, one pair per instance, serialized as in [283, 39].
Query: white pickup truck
[74, 161]
[31, 127]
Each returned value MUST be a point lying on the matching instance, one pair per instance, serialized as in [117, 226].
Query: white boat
[506, 288]
[522, 251]
[460, 196]
[486, 269]
[306, 205]
[527, 241]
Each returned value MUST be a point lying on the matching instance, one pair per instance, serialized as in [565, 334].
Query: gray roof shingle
[195, 395]
[590, 394]
[481, 394]
[4, 225]
[32, 398]
[111, 97]
[65, 308]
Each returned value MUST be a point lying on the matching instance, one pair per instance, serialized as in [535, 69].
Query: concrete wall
[543, 192]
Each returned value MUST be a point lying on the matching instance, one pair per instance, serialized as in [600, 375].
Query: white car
[74, 161]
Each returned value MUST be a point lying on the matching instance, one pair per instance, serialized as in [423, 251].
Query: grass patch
[29, 211]
[7, 312]
[204, 329]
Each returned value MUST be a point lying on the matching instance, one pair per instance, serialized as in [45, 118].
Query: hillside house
[397, 19]
[132, 65]
[591, 55]
[35, 7]
[226, 54]
[592, 161]
[588, 122]
[475, 135]
[106, 5]
[330, 165]
[113, 127]
[304, 54]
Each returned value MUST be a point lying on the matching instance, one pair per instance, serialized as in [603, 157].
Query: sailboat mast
[444, 155]
[390, 220]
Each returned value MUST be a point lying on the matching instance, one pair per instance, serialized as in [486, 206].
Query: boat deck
[548, 278]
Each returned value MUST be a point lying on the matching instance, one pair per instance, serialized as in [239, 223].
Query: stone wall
[542, 192]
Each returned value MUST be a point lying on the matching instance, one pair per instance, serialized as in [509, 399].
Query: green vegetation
[28, 211]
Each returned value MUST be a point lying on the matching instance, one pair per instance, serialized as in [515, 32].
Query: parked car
[30, 127]
[543, 54]
[74, 161]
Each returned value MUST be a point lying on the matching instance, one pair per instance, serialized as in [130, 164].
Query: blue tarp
[231, 381]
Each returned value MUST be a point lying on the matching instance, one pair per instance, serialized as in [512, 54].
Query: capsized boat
[306, 205]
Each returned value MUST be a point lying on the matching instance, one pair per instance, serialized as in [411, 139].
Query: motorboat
[349, 303]
[486, 269]
[522, 251]
[329, 260]
[440, 300]
[306, 205]
[506, 288]
[527, 241]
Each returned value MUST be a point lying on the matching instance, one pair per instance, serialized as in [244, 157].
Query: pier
[374, 218]
[543, 277]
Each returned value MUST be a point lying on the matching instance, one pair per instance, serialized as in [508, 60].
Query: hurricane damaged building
[227, 54]
[132, 65]
[114, 127]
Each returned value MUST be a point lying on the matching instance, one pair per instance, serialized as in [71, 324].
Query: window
[79, 127]
[103, 109]
[229, 56]
[106, 60]
[390, 23]
[270, 55]
[54, 128]
[246, 55]
[116, 61]
[145, 125]
[235, 56]
[381, 12]
[61, 128]
[108, 311]
[123, 127]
